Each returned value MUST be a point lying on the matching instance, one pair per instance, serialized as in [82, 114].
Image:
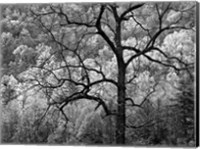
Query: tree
[94, 48]
[184, 108]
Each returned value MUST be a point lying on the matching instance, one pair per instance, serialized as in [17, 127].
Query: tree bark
[121, 115]
[121, 91]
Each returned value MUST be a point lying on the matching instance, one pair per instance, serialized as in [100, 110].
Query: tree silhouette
[68, 67]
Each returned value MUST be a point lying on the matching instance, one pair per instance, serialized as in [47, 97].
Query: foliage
[98, 73]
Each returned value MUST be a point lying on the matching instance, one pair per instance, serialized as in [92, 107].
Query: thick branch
[81, 95]
[131, 48]
[101, 32]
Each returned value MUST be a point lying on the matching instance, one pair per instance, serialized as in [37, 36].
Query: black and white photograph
[99, 73]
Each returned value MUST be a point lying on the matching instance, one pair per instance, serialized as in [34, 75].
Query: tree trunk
[121, 91]
[121, 116]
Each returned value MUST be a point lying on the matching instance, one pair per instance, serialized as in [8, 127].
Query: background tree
[117, 56]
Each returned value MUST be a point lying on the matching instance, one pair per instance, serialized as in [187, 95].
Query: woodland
[98, 73]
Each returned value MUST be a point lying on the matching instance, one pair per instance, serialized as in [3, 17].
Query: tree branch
[80, 95]
[147, 96]
[148, 123]
[122, 17]
[132, 102]
[164, 64]
[101, 32]
[150, 44]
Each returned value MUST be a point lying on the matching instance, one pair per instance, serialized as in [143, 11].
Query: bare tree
[108, 22]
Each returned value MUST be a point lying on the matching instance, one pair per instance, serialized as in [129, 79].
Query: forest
[98, 73]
